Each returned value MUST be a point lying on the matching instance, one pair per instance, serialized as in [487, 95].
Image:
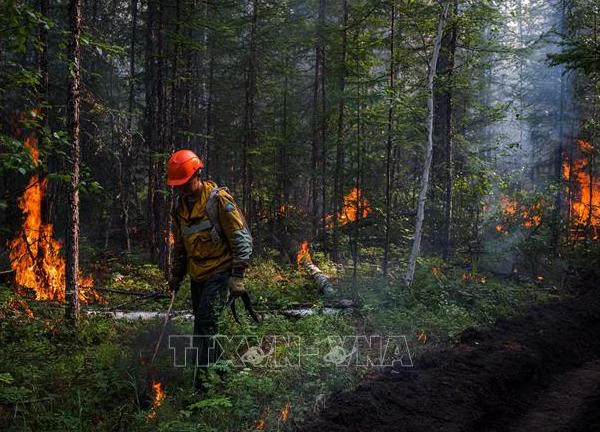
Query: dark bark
[42, 92]
[73, 107]
[283, 156]
[155, 139]
[323, 128]
[249, 139]
[447, 132]
[339, 158]
[389, 180]
[357, 184]
[127, 141]
[315, 136]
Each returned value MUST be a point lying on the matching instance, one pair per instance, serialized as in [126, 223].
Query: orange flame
[303, 253]
[18, 304]
[34, 253]
[261, 423]
[583, 189]
[509, 206]
[353, 205]
[529, 217]
[285, 412]
[159, 395]
[474, 277]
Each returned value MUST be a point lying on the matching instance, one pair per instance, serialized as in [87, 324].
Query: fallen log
[303, 259]
[298, 312]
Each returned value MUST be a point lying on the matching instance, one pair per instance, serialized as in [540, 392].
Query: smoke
[525, 147]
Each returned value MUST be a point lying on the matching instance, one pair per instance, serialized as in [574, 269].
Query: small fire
[473, 277]
[21, 305]
[509, 206]
[159, 395]
[583, 189]
[529, 217]
[261, 423]
[354, 204]
[422, 337]
[34, 253]
[285, 412]
[436, 271]
[303, 253]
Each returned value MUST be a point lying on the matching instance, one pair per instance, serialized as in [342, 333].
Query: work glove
[174, 284]
[236, 287]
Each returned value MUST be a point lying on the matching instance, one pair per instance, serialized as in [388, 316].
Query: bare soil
[538, 372]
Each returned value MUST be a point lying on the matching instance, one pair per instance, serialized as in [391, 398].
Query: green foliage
[444, 300]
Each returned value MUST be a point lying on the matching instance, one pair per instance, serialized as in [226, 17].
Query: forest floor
[99, 377]
[536, 372]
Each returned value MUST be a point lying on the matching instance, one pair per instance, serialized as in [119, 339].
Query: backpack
[212, 211]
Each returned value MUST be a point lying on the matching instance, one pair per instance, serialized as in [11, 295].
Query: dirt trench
[538, 372]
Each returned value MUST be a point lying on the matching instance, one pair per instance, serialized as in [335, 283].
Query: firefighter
[212, 244]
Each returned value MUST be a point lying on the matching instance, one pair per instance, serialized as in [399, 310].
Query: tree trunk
[315, 135]
[283, 157]
[448, 132]
[408, 277]
[155, 135]
[339, 158]
[42, 92]
[73, 106]
[127, 148]
[152, 100]
[388, 160]
[357, 184]
[249, 120]
[323, 128]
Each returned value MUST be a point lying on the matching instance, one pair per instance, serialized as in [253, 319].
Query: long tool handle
[162, 333]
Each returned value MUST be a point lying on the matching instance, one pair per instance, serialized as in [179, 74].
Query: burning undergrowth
[35, 255]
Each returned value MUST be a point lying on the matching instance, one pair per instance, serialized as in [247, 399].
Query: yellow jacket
[202, 249]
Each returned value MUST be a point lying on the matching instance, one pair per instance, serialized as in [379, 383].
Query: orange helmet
[182, 165]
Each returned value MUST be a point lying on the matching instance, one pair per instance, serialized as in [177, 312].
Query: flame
[436, 271]
[34, 253]
[303, 253]
[285, 412]
[261, 423]
[583, 189]
[159, 395]
[529, 217]
[21, 305]
[422, 337]
[353, 202]
[473, 277]
[509, 206]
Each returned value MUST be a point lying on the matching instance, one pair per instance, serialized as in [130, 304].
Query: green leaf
[222, 402]
[6, 378]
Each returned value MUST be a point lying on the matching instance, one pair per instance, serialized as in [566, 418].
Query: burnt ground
[538, 372]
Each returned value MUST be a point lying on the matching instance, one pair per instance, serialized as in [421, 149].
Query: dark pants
[208, 299]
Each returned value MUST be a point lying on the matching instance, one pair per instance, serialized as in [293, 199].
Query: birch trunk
[410, 272]
[73, 106]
